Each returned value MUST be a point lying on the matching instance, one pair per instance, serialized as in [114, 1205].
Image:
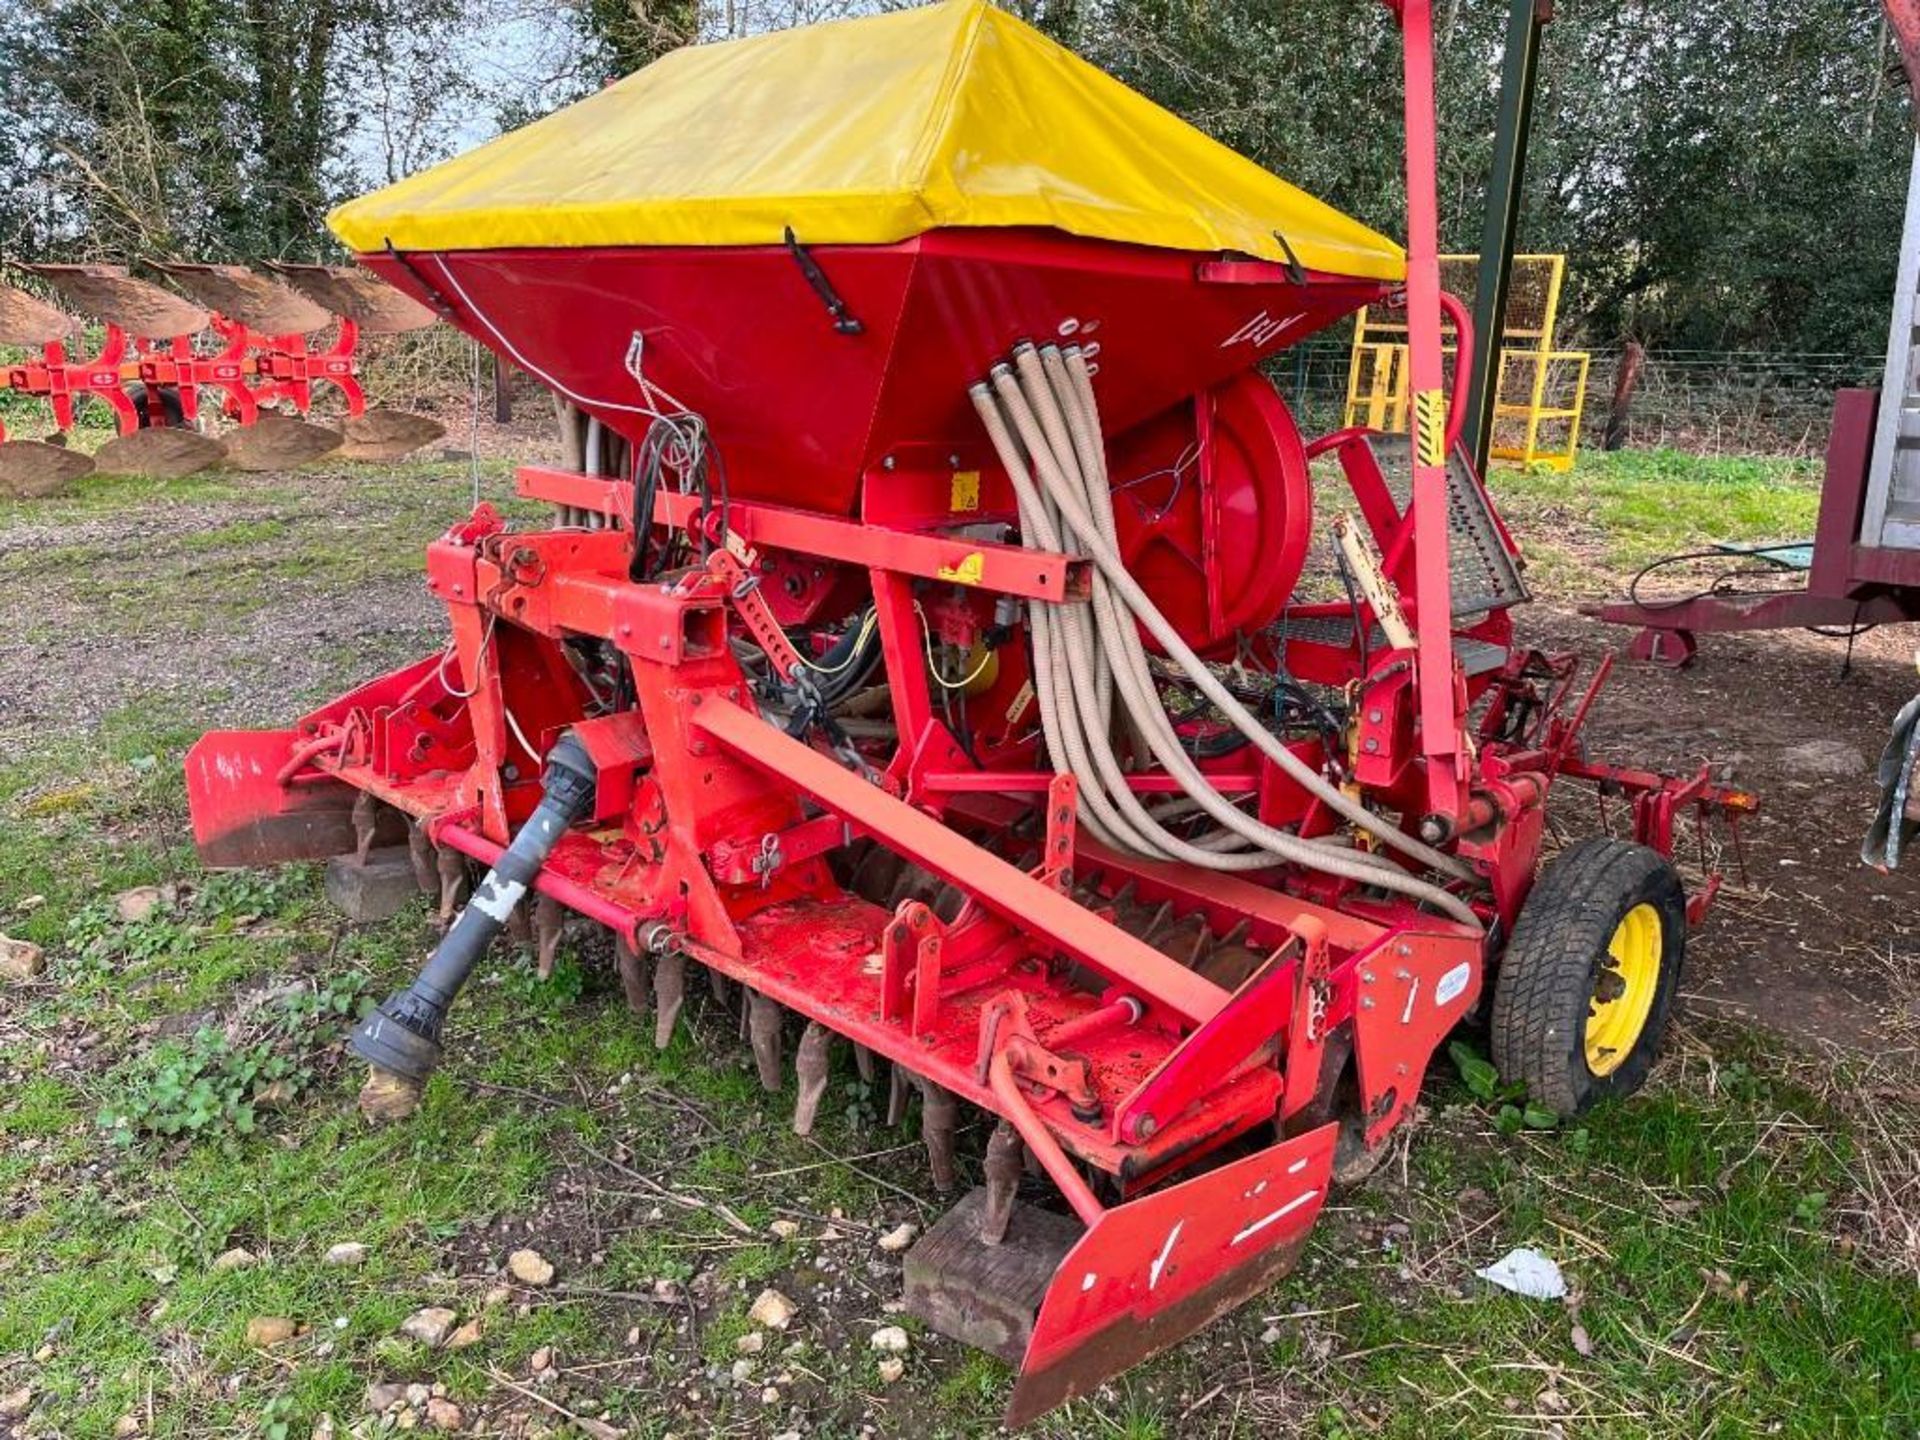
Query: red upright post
[1433, 584]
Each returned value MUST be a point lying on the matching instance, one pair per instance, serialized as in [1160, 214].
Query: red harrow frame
[634, 722]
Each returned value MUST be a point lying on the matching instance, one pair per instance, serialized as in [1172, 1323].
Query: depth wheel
[1581, 1000]
[172, 413]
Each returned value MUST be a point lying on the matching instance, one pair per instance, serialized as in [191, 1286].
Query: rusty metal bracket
[1056, 862]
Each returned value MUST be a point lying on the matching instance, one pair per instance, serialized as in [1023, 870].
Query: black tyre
[171, 412]
[1581, 999]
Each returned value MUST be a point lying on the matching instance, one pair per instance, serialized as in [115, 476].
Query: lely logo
[1260, 331]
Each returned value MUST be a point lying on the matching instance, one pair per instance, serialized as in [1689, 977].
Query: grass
[1616, 512]
[1718, 1231]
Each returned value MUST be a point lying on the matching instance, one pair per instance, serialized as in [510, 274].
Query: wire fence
[1709, 402]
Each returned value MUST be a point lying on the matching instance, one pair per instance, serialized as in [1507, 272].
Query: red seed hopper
[877, 661]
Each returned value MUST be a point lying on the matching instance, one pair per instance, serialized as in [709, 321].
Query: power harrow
[952, 672]
[233, 334]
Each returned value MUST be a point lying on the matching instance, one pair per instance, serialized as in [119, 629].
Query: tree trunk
[1626, 377]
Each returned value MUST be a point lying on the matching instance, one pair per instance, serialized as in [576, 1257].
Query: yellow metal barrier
[1542, 391]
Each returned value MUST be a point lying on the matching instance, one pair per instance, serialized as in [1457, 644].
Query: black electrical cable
[1721, 585]
[1724, 584]
[1360, 635]
[678, 442]
[646, 482]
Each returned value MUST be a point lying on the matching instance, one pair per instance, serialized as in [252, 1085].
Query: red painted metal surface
[1159, 1267]
[244, 370]
[808, 415]
[860, 499]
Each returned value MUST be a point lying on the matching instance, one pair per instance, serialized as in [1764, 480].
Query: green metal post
[1505, 185]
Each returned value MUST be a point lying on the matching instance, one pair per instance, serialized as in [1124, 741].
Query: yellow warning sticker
[1020, 703]
[1430, 427]
[968, 572]
[966, 491]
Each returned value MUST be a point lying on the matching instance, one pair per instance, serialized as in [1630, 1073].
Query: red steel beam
[1001, 569]
[1011, 893]
[1790, 609]
[1016, 782]
[1343, 931]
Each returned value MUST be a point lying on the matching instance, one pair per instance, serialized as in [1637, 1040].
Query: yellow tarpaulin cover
[863, 131]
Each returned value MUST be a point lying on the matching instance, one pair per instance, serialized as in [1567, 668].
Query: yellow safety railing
[1542, 391]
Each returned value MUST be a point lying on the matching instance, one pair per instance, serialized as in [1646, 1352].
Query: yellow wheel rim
[1623, 992]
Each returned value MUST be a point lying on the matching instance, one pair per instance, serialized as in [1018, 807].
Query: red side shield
[1156, 1269]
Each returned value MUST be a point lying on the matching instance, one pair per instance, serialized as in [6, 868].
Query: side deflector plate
[1151, 1272]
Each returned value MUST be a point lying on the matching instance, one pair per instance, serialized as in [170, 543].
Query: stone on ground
[377, 890]
[771, 1309]
[139, 903]
[20, 959]
[898, 1238]
[443, 1414]
[347, 1252]
[265, 1330]
[430, 1325]
[530, 1267]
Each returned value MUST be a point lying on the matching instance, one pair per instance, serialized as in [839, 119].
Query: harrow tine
[718, 987]
[764, 1019]
[634, 980]
[159, 452]
[896, 1096]
[519, 927]
[28, 320]
[669, 994]
[1004, 1167]
[264, 306]
[548, 918]
[939, 1118]
[30, 469]
[863, 1063]
[109, 293]
[812, 1063]
[365, 820]
[452, 868]
[1150, 931]
[420, 852]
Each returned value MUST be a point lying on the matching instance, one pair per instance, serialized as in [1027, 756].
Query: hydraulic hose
[402, 1037]
[1042, 434]
[1044, 425]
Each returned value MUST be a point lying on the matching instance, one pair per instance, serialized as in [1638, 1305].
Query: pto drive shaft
[401, 1040]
